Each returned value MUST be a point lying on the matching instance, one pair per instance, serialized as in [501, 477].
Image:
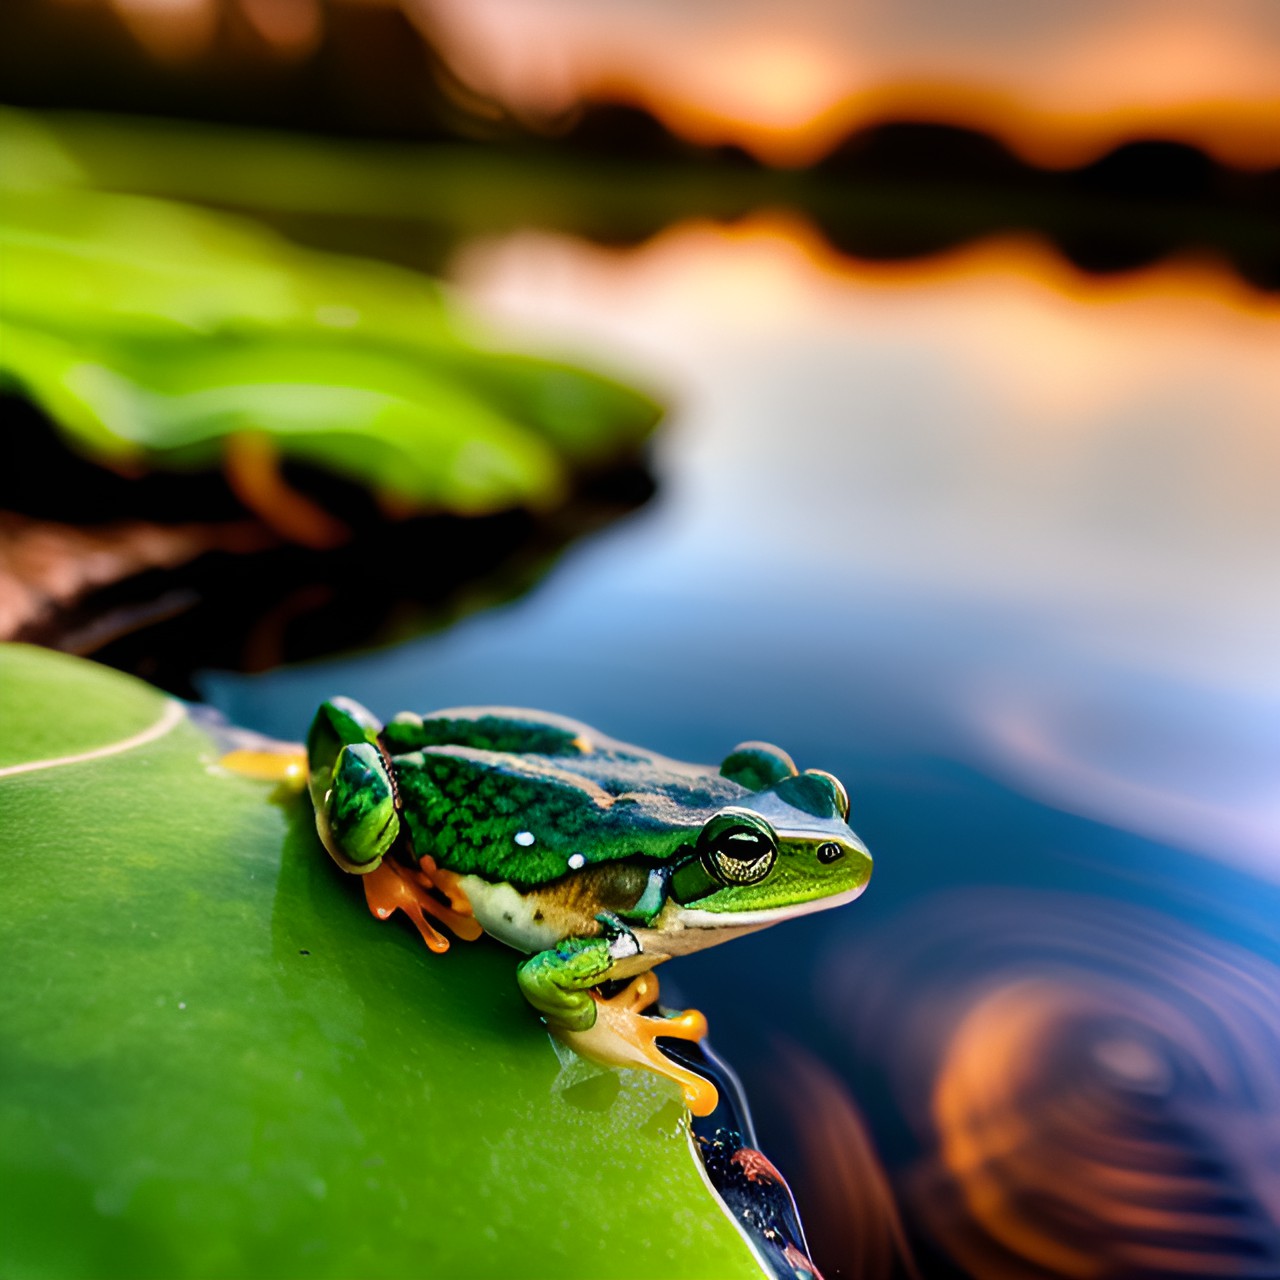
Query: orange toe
[622, 1037]
[390, 887]
[458, 915]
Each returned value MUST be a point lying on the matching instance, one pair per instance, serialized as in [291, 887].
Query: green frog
[597, 859]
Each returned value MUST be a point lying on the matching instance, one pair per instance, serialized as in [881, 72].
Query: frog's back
[528, 796]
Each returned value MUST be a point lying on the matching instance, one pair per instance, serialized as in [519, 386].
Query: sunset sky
[1057, 82]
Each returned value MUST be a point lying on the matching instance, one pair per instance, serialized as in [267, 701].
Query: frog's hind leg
[354, 790]
[392, 887]
[624, 1037]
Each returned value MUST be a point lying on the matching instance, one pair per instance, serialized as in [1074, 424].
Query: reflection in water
[912, 525]
[757, 1195]
[1101, 1085]
[1084, 470]
[1144, 753]
[849, 1207]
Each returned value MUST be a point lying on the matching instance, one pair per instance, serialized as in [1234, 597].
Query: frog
[595, 859]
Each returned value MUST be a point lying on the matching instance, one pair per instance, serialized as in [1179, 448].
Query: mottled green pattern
[465, 808]
[487, 729]
[529, 798]
[361, 807]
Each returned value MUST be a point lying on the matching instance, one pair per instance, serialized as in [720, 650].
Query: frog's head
[785, 849]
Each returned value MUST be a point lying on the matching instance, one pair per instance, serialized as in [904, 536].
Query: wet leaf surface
[217, 1063]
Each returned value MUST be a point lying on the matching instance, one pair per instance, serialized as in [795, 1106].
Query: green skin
[598, 858]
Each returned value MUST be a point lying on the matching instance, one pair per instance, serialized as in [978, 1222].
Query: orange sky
[1057, 83]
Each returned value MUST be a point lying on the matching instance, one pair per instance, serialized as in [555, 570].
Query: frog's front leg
[559, 983]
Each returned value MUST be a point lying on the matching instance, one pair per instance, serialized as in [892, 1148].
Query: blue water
[1032, 627]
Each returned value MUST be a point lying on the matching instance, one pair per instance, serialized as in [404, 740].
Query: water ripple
[1096, 1087]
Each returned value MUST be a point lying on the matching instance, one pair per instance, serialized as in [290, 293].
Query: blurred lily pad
[157, 335]
[215, 1062]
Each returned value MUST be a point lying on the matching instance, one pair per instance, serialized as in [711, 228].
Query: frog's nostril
[829, 853]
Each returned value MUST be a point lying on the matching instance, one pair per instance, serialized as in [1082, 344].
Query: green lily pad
[150, 331]
[215, 1062]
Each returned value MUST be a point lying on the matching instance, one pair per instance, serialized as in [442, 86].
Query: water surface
[997, 546]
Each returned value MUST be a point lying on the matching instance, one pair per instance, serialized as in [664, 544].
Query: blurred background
[964, 317]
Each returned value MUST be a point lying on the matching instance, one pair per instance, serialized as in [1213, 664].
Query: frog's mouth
[693, 918]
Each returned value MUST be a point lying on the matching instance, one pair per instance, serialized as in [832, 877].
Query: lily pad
[152, 333]
[215, 1062]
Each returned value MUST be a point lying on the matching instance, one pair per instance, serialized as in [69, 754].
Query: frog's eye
[737, 848]
[839, 796]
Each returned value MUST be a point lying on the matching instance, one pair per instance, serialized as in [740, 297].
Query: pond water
[997, 545]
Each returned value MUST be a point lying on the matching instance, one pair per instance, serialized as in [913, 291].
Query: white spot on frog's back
[577, 861]
[524, 839]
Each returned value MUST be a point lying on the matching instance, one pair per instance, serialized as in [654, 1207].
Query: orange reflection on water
[851, 1217]
[777, 255]
[783, 236]
[1093, 458]
[1059, 87]
[1099, 1084]
[1037, 382]
[1082, 1117]
[1012, 305]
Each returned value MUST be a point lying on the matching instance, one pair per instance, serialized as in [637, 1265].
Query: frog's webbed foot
[622, 1036]
[560, 983]
[392, 887]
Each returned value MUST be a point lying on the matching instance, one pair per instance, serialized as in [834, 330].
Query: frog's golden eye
[737, 848]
